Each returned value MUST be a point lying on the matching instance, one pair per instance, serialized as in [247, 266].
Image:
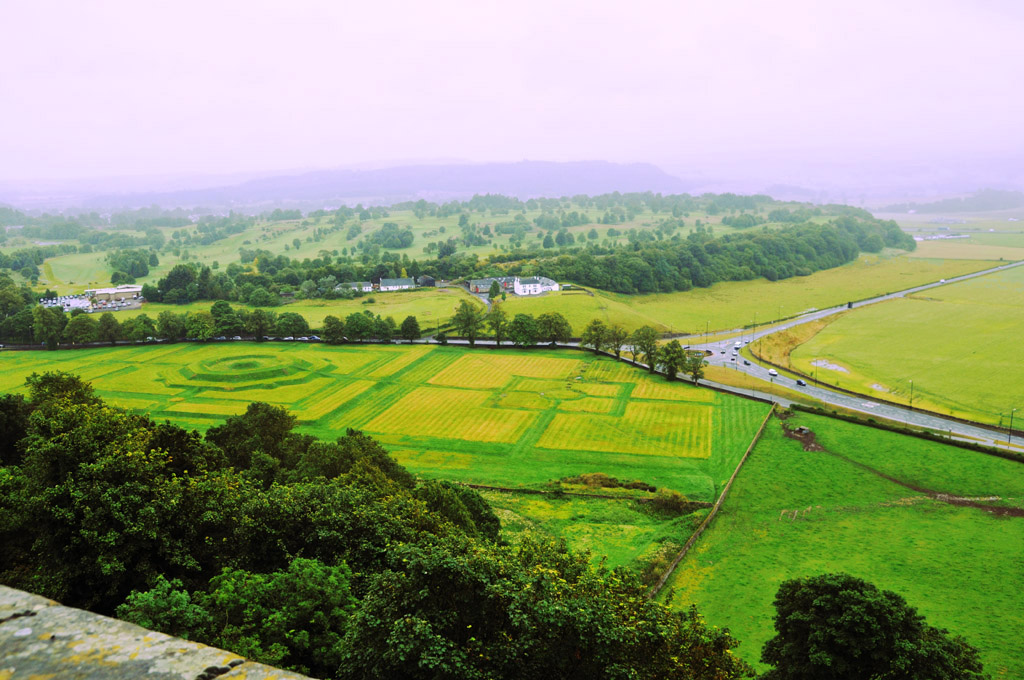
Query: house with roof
[507, 284]
[534, 285]
[426, 280]
[396, 284]
[364, 286]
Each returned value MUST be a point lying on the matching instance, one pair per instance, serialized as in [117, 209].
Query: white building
[534, 285]
[396, 284]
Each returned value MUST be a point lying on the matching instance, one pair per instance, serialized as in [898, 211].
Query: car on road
[723, 351]
[289, 338]
[746, 362]
[772, 372]
[801, 383]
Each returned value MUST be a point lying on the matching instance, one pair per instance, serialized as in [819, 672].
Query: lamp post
[911, 395]
[780, 312]
[1009, 436]
[707, 327]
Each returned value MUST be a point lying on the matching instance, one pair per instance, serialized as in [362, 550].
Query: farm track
[809, 442]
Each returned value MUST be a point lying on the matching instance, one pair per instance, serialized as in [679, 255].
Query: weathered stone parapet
[39, 638]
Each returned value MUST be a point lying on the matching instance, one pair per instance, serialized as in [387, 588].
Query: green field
[495, 417]
[735, 304]
[958, 343]
[960, 566]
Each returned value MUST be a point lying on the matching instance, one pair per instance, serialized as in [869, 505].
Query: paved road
[722, 355]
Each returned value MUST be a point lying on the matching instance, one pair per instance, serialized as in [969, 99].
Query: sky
[123, 88]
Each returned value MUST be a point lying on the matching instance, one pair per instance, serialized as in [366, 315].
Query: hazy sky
[93, 89]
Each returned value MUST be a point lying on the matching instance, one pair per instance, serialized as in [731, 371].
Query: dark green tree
[840, 627]
[334, 330]
[498, 322]
[81, 329]
[552, 327]
[170, 326]
[410, 329]
[259, 323]
[495, 290]
[595, 335]
[523, 331]
[468, 320]
[48, 325]
[694, 366]
[645, 344]
[292, 324]
[673, 358]
[616, 339]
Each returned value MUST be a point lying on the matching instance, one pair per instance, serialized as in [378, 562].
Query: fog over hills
[331, 188]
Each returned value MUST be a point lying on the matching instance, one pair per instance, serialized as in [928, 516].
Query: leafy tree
[48, 325]
[261, 297]
[259, 438]
[81, 329]
[468, 319]
[170, 326]
[293, 618]
[616, 338]
[495, 290]
[292, 324]
[199, 325]
[259, 323]
[673, 358]
[694, 366]
[109, 329]
[840, 627]
[410, 328]
[225, 319]
[334, 330]
[548, 241]
[14, 413]
[595, 335]
[384, 329]
[138, 328]
[359, 326]
[498, 322]
[645, 344]
[552, 327]
[523, 331]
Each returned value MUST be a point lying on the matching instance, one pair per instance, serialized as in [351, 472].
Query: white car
[772, 372]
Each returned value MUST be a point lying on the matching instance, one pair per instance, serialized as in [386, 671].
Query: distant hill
[982, 201]
[313, 190]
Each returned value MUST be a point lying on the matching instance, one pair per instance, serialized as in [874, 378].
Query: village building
[126, 292]
[507, 284]
[396, 284]
[364, 286]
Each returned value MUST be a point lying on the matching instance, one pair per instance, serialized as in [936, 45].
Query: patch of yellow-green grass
[328, 399]
[400, 359]
[597, 390]
[587, 405]
[488, 372]
[656, 387]
[524, 400]
[957, 343]
[227, 408]
[668, 429]
[580, 308]
[451, 413]
[965, 250]
[734, 304]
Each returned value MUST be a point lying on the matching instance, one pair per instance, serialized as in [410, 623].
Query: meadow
[958, 565]
[505, 418]
[735, 304]
[957, 343]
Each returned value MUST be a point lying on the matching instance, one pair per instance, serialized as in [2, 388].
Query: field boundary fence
[691, 506]
[656, 588]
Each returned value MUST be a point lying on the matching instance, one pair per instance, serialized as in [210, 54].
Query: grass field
[736, 304]
[960, 566]
[958, 343]
[503, 418]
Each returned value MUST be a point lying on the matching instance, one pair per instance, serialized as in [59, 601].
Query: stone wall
[39, 638]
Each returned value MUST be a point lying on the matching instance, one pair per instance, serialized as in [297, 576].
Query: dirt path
[809, 441]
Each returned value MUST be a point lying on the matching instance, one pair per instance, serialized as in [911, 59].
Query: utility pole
[1009, 436]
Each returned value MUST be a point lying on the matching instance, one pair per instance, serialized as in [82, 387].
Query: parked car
[303, 339]
[289, 338]
[237, 337]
